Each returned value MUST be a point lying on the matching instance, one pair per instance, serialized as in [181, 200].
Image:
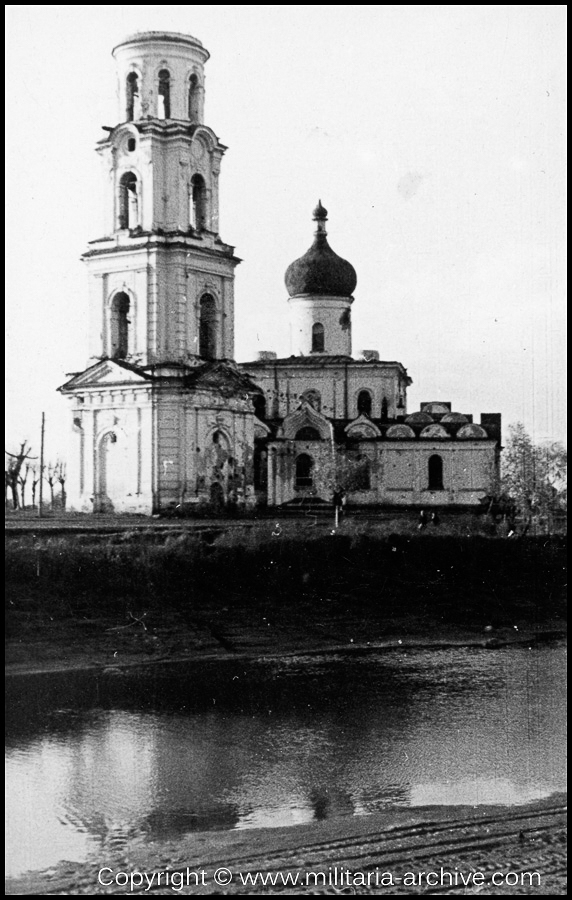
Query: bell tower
[161, 279]
[162, 419]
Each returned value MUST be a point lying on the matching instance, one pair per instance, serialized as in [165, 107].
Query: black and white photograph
[285, 452]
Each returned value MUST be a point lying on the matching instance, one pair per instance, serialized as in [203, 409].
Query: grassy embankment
[163, 594]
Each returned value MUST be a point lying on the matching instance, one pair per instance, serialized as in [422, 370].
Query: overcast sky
[434, 136]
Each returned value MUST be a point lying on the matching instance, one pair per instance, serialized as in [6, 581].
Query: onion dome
[320, 270]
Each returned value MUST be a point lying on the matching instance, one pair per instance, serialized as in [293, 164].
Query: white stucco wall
[399, 472]
[333, 313]
[126, 485]
[338, 385]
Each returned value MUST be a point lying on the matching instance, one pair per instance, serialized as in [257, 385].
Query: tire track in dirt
[519, 842]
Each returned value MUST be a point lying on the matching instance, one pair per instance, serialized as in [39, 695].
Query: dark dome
[320, 270]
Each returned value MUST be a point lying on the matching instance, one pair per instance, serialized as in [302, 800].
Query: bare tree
[22, 479]
[62, 474]
[35, 483]
[13, 470]
[51, 478]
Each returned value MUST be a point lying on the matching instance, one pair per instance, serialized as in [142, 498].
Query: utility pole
[41, 466]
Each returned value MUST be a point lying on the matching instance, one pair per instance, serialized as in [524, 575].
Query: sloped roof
[106, 372]
[320, 359]
[219, 375]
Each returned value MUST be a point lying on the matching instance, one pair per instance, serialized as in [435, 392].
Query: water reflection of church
[164, 417]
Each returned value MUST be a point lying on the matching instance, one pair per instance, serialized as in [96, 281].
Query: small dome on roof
[419, 418]
[437, 409]
[455, 417]
[434, 433]
[400, 433]
[320, 270]
[471, 433]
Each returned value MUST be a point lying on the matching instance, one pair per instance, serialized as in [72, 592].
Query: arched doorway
[216, 497]
[112, 469]
[304, 472]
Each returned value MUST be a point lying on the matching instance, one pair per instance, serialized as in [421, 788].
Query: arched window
[207, 327]
[364, 403]
[260, 406]
[164, 95]
[318, 343]
[119, 326]
[384, 410]
[132, 96]
[314, 398]
[198, 203]
[304, 471]
[128, 201]
[194, 89]
[435, 468]
[260, 467]
[308, 434]
[364, 475]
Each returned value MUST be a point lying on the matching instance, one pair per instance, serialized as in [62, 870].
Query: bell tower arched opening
[198, 203]
[164, 95]
[207, 327]
[128, 201]
[194, 99]
[119, 326]
[132, 96]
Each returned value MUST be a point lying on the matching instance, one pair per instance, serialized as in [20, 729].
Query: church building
[163, 418]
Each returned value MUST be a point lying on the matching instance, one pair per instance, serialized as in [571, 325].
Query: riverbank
[132, 598]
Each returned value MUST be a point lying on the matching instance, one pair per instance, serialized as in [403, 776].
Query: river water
[96, 762]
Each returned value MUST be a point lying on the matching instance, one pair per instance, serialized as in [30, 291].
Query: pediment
[362, 427]
[106, 372]
[305, 417]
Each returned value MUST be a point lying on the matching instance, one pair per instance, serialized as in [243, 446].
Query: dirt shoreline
[37, 659]
[493, 839]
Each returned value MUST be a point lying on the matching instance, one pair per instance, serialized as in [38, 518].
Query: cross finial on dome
[320, 214]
